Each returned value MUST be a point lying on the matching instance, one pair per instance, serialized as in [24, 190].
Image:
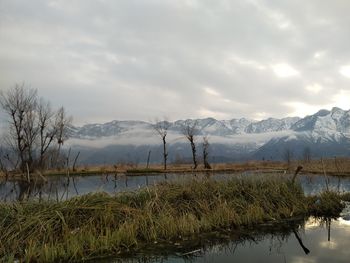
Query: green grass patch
[99, 225]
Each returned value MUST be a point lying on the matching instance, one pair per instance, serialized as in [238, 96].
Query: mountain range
[323, 134]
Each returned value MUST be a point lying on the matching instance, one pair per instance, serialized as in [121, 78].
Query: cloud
[314, 88]
[212, 92]
[130, 59]
[284, 70]
[345, 71]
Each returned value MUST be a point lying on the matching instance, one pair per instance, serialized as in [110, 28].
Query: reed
[327, 203]
[99, 225]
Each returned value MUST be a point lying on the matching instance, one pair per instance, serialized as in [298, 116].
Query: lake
[61, 188]
[312, 240]
[293, 241]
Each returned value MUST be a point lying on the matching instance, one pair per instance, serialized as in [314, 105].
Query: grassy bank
[339, 166]
[98, 225]
[331, 166]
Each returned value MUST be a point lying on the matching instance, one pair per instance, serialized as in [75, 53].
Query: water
[312, 240]
[61, 188]
[297, 241]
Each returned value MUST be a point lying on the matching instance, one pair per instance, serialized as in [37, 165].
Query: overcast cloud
[128, 59]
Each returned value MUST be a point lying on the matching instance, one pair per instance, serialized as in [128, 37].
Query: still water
[61, 188]
[312, 240]
[297, 241]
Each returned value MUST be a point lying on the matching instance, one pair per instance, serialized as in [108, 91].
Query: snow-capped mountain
[208, 126]
[271, 125]
[324, 133]
[324, 121]
[108, 129]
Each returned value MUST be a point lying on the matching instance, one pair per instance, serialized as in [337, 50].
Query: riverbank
[331, 166]
[100, 225]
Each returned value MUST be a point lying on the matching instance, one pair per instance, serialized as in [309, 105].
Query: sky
[146, 59]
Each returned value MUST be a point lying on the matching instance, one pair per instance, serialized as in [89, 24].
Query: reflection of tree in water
[25, 189]
[37, 188]
[300, 241]
[325, 222]
[222, 242]
[31, 189]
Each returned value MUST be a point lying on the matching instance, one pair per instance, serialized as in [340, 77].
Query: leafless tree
[33, 126]
[18, 103]
[206, 152]
[62, 124]
[47, 129]
[190, 130]
[161, 127]
[9, 155]
[31, 130]
[3, 166]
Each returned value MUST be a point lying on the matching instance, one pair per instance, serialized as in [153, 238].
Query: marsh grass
[327, 203]
[100, 225]
[346, 196]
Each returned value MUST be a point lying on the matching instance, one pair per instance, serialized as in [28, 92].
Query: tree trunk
[165, 154]
[193, 147]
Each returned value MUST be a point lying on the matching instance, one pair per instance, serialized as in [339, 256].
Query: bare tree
[3, 166]
[18, 103]
[33, 126]
[31, 130]
[62, 124]
[10, 156]
[206, 152]
[161, 127]
[190, 130]
[47, 129]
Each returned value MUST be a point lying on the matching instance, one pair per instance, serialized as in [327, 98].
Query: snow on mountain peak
[324, 121]
[325, 133]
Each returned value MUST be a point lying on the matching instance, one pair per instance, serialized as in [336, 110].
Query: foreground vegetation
[98, 225]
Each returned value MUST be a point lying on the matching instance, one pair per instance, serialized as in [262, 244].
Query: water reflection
[61, 187]
[215, 247]
[311, 240]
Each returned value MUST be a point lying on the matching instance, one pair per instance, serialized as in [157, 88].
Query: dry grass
[97, 225]
[332, 166]
[175, 168]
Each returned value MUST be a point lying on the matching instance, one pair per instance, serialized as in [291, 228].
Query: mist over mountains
[325, 133]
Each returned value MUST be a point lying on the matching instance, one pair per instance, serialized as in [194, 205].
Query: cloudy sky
[126, 59]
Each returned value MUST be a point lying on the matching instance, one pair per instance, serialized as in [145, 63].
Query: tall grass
[97, 225]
